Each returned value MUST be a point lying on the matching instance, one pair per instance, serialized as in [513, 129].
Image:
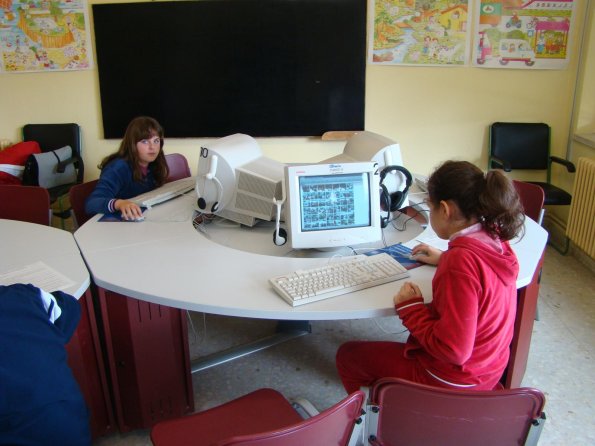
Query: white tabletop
[25, 244]
[165, 260]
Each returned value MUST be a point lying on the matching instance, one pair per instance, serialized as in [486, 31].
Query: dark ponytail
[491, 198]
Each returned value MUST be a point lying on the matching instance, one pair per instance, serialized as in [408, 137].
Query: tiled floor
[561, 362]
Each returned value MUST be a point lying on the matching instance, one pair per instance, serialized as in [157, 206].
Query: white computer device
[237, 182]
[370, 146]
[332, 205]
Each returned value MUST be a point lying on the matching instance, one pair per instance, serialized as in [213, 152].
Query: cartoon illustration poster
[44, 35]
[523, 33]
[410, 32]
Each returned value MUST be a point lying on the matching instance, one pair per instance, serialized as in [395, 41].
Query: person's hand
[408, 290]
[426, 254]
[128, 209]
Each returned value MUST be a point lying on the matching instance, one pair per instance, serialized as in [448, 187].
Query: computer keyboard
[337, 277]
[165, 192]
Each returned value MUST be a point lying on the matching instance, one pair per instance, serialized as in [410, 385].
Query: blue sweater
[116, 182]
[33, 367]
[40, 401]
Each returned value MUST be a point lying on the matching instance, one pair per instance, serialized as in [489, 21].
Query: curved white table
[26, 243]
[225, 270]
[164, 260]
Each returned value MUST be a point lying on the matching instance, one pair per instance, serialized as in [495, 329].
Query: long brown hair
[490, 198]
[141, 127]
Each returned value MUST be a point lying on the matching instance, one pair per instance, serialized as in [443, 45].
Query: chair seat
[231, 419]
[554, 195]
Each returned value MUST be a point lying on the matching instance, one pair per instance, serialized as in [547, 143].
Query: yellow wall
[435, 113]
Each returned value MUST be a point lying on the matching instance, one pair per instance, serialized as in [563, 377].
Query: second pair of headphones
[391, 202]
[210, 175]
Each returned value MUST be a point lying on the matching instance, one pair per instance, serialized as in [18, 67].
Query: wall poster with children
[409, 32]
[44, 35]
[523, 34]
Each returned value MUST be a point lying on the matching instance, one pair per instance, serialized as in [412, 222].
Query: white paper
[38, 274]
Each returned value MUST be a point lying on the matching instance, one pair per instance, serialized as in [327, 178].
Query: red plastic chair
[25, 203]
[78, 195]
[401, 412]
[263, 417]
[532, 198]
[178, 166]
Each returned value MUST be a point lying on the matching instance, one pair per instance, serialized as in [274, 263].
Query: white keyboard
[165, 192]
[338, 277]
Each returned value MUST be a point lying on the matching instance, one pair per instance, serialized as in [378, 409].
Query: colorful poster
[432, 32]
[523, 34]
[44, 35]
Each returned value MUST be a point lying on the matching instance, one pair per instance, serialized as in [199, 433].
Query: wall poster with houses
[505, 33]
[523, 34]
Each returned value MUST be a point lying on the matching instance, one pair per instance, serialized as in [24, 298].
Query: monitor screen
[332, 205]
[213, 68]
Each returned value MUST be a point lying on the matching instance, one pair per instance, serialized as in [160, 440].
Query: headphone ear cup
[384, 198]
[281, 238]
[202, 204]
[384, 205]
[396, 200]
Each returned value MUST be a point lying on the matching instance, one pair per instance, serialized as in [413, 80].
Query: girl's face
[148, 149]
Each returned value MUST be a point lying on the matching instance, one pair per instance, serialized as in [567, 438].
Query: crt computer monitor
[332, 205]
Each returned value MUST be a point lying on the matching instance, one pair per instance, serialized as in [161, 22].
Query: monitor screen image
[332, 205]
[334, 201]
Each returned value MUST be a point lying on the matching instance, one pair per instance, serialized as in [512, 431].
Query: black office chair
[55, 136]
[526, 146]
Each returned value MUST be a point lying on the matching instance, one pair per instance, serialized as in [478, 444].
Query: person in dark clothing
[40, 401]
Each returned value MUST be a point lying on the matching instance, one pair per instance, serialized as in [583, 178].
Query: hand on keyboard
[338, 277]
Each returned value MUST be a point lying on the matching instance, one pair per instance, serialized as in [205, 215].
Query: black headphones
[392, 202]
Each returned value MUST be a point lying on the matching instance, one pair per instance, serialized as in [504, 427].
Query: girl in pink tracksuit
[462, 338]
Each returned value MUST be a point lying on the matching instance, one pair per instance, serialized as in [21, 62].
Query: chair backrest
[178, 166]
[25, 203]
[532, 197]
[78, 194]
[55, 136]
[523, 145]
[416, 414]
[330, 427]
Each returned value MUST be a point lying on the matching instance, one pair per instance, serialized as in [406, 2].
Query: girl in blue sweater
[137, 167]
